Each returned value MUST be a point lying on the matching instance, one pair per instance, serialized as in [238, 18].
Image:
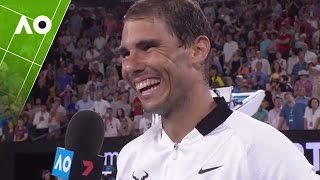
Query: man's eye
[147, 47]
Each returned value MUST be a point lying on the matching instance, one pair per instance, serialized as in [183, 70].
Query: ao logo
[41, 25]
[64, 164]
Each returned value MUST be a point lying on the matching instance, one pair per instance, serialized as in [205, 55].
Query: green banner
[27, 30]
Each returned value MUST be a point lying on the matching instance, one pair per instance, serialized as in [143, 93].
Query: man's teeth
[147, 82]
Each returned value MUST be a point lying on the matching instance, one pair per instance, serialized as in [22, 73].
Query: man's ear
[201, 49]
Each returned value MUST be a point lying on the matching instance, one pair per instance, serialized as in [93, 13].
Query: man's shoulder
[251, 131]
[267, 147]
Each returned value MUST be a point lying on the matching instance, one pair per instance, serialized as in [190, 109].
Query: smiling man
[164, 48]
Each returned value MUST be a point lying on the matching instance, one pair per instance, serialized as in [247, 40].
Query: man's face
[154, 65]
[43, 108]
[85, 97]
[277, 102]
[302, 91]
[289, 98]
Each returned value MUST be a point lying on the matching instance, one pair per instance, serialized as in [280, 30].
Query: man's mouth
[147, 85]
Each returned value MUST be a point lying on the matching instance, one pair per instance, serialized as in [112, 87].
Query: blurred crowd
[269, 44]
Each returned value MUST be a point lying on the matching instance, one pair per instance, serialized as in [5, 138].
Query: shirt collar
[215, 118]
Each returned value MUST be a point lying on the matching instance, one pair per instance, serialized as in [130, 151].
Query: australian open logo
[140, 175]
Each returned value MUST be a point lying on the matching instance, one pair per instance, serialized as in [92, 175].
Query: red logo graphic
[89, 166]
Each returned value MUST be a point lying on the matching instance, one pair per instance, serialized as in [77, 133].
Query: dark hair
[288, 93]
[273, 70]
[309, 103]
[123, 113]
[184, 18]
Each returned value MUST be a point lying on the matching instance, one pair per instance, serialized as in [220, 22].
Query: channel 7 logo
[27, 31]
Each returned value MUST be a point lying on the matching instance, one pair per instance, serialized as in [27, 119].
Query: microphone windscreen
[85, 133]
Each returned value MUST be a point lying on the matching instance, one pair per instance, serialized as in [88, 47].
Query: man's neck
[182, 121]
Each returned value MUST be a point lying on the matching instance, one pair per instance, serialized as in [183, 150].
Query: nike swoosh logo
[202, 171]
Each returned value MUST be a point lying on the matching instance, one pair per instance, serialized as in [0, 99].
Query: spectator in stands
[272, 48]
[235, 63]
[258, 72]
[82, 76]
[37, 105]
[41, 121]
[277, 70]
[261, 114]
[274, 113]
[292, 60]
[283, 41]
[85, 103]
[245, 68]
[93, 56]
[100, 41]
[8, 132]
[112, 124]
[145, 122]
[75, 23]
[126, 123]
[315, 72]
[67, 95]
[96, 70]
[62, 110]
[54, 122]
[282, 62]
[266, 69]
[28, 123]
[122, 87]
[64, 79]
[312, 115]
[276, 8]
[301, 65]
[238, 83]
[71, 108]
[137, 115]
[122, 102]
[229, 48]
[264, 44]
[303, 82]
[292, 113]
[215, 60]
[93, 85]
[110, 24]
[274, 87]
[215, 80]
[245, 86]
[254, 83]
[29, 111]
[301, 96]
[100, 105]
[21, 132]
[309, 56]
